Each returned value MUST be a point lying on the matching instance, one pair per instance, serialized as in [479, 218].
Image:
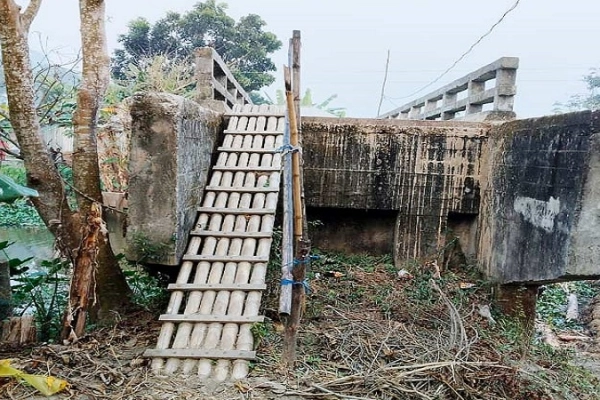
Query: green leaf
[15, 262]
[11, 191]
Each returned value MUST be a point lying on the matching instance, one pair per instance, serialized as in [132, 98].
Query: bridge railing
[446, 102]
[217, 86]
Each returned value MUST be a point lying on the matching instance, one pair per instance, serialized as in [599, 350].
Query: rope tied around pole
[306, 260]
[289, 149]
[303, 283]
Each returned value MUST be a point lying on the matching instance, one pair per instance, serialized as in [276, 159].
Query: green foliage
[148, 291]
[45, 293]
[8, 267]
[16, 173]
[305, 101]
[588, 101]
[156, 73]
[258, 98]
[551, 305]
[148, 250]
[259, 331]
[244, 45]
[341, 262]
[13, 263]
[20, 212]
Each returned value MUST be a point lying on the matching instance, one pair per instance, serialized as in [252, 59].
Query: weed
[148, 250]
[148, 291]
[313, 360]
[259, 330]
[551, 305]
[44, 293]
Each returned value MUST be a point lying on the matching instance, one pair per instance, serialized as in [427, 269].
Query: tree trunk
[112, 292]
[42, 174]
[5, 291]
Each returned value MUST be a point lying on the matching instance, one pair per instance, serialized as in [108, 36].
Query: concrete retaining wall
[172, 143]
[541, 209]
[422, 169]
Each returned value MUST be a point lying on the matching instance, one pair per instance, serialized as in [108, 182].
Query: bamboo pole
[295, 46]
[296, 183]
[298, 271]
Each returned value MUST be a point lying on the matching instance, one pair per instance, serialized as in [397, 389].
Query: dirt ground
[368, 333]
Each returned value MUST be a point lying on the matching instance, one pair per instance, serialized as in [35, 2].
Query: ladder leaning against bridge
[215, 301]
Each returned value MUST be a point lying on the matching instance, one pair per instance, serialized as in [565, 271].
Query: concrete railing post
[504, 98]
[204, 74]
[430, 105]
[448, 101]
[216, 87]
[414, 112]
[475, 90]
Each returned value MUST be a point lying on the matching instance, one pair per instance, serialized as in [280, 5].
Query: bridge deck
[216, 299]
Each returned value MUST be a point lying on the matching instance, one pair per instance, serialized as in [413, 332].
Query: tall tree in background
[588, 101]
[42, 173]
[243, 45]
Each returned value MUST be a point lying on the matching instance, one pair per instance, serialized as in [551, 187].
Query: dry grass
[366, 335]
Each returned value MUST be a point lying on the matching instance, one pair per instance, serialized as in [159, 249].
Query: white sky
[345, 43]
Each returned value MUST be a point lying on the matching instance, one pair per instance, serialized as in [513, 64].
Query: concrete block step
[212, 318]
[234, 235]
[215, 258]
[201, 354]
[236, 132]
[246, 287]
[280, 114]
[236, 211]
[242, 189]
[246, 150]
[248, 168]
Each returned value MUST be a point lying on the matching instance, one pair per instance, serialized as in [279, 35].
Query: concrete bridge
[522, 196]
[519, 198]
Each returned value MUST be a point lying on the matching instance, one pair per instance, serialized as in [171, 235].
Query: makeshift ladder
[216, 298]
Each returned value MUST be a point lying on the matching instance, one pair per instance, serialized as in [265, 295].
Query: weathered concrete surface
[540, 217]
[422, 169]
[353, 231]
[172, 142]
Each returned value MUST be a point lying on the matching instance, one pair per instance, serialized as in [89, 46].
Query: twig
[339, 395]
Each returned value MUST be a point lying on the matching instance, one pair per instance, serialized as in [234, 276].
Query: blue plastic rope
[307, 260]
[292, 282]
[288, 148]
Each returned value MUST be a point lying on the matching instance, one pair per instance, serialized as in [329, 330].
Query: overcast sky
[345, 43]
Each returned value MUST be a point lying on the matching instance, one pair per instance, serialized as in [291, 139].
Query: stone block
[172, 144]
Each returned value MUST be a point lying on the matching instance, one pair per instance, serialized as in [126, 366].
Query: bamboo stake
[296, 187]
[299, 271]
[294, 60]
